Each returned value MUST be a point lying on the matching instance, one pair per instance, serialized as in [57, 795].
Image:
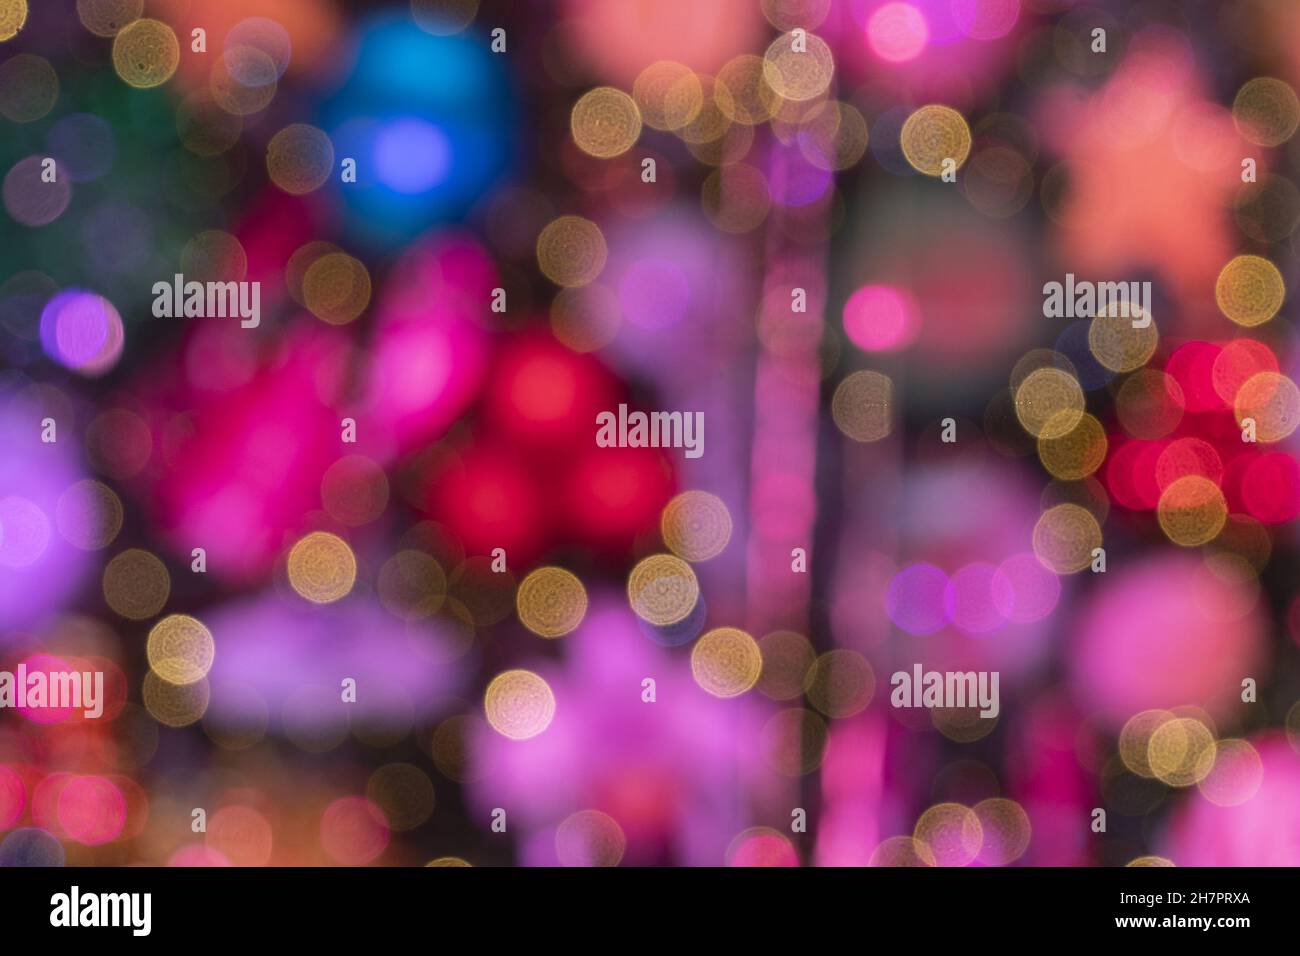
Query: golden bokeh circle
[519, 704]
[901, 851]
[336, 288]
[590, 838]
[412, 585]
[29, 88]
[586, 318]
[1235, 774]
[1116, 343]
[1272, 401]
[354, 490]
[951, 832]
[204, 128]
[710, 122]
[233, 95]
[963, 725]
[551, 602]
[933, 134]
[1049, 402]
[1150, 404]
[180, 649]
[788, 14]
[841, 683]
[787, 664]
[571, 251]
[662, 589]
[107, 18]
[1065, 537]
[1135, 739]
[748, 98]
[794, 741]
[146, 53]
[1181, 752]
[736, 198]
[1249, 290]
[668, 95]
[696, 525]
[136, 584]
[1266, 111]
[13, 15]
[726, 662]
[1006, 829]
[862, 406]
[299, 159]
[448, 861]
[833, 136]
[322, 567]
[175, 705]
[1075, 453]
[89, 515]
[605, 122]
[214, 256]
[403, 793]
[1192, 511]
[1150, 860]
[798, 75]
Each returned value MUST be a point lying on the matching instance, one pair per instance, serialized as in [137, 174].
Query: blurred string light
[336, 288]
[668, 95]
[788, 659]
[605, 122]
[862, 406]
[107, 18]
[136, 584]
[175, 705]
[299, 158]
[951, 833]
[571, 251]
[793, 742]
[662, 589]
[726, 662]
[146, 53]
[590, 838]
[412, 585]
[798, 74]
[1249, 290]
[13, 14]
[1266, 111]
[1065, 537]
[180, 649]
[551, 602]
[321, 567]
[696, 525]
[934, 136]
[89, 515]
[841, 683]
[29, 88]
[519, 704]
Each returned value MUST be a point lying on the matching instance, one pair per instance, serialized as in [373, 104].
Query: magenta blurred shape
[429, 351]
[39, 571]
[1164, 633]
[292, 656]
[914, 599]
[678, 777]
[82, 331]
[239, 468]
